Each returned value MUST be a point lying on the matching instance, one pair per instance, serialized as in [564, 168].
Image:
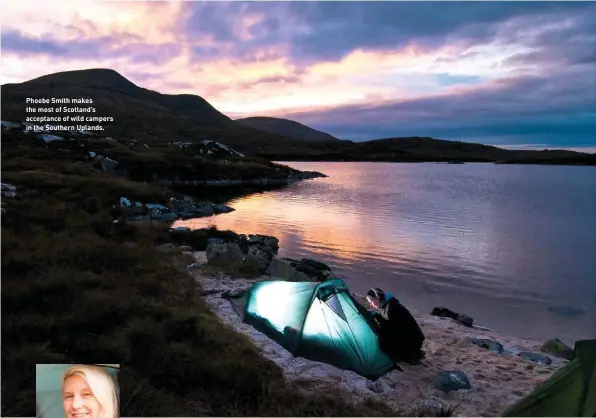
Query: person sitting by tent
[400, 336]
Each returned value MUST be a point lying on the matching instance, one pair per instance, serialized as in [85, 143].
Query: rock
[222, 209]
[211, 241]
[443, 312]
[91, 154]
[557, 348]
[258, 258]
[296, 271]
[9, 194]
[377, 386]
[167, 248]
[431, 407]
[127, 203]
[316, 264]
[194, 266]
[200, 257]
[8, 126]
[448, 381]
[448, 313]
[228, 254]
[537, 358]
[465, 320]
[8, 187]
[106, 164]
[264, 242]
[186, 248]
[490, 345]
[47, 138]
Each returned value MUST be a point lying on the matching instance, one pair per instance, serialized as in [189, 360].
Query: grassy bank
[78, 287]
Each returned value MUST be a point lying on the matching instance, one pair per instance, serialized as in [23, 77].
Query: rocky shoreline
[499, 369]
[214, 150]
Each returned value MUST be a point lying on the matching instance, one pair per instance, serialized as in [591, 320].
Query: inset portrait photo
[77, 391]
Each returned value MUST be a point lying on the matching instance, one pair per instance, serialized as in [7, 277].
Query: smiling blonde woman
[89, 392]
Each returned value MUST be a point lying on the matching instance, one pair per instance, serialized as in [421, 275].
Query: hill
[152, 118]
[421, 149]
[140, 114]
[285, 127]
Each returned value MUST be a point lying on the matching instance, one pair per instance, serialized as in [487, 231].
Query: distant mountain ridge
[154, 118]
[286, 127]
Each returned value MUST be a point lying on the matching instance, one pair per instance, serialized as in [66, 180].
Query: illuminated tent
[317, 321]
[48, 387]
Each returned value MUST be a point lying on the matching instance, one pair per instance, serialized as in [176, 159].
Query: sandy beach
[497, 380]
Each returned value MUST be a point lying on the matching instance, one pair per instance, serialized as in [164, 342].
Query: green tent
[317, 321]
[570, 392]
[48, 387]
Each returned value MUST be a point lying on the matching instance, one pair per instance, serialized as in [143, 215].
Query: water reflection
[500, 242]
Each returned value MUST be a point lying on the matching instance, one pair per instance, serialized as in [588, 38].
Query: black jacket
[400, 336]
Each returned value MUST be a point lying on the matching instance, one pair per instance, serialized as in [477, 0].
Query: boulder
[296, 271]
[464, 319]
[258, 258]
[227, 254]
[537, 358]
[448, 313]
[200, 257]
[315, 264]
[186, 248]
[222, 209]
[557, 348]
[264, 242]
[448, 381]
[490, 345]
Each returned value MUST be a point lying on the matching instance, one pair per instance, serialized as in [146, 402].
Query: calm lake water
[512, 246]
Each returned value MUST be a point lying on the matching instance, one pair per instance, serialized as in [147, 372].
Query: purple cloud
[563, 105]
[330, 30]
[17, 42]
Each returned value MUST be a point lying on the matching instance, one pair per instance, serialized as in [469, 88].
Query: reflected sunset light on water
[497, 242]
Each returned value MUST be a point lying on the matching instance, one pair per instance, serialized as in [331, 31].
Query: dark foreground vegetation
[78, 287]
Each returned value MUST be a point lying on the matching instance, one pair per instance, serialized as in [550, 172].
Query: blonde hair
[103, 386]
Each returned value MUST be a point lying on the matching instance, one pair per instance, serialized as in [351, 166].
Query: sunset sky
[519, 74]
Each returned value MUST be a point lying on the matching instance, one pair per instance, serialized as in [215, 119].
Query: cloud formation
[519, 72]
